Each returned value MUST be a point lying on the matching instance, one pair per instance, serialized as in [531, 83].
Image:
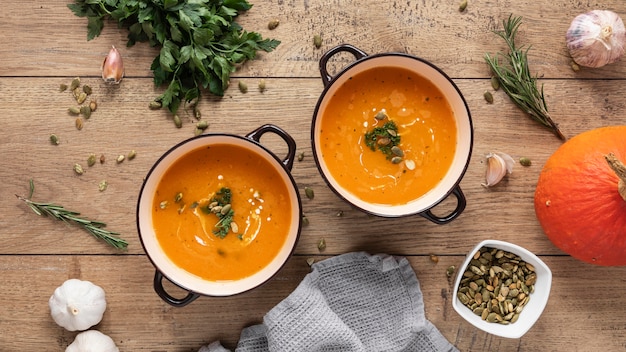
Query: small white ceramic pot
[449, 185]
[195, 285]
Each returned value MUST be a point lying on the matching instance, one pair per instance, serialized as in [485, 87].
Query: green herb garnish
[383, 138]
[201, 44]
[515, 78]
[95, 228]
[220, 206]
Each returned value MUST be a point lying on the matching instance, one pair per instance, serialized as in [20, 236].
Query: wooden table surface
[42, 44]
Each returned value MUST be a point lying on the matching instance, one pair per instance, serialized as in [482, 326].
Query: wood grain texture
[43, 45]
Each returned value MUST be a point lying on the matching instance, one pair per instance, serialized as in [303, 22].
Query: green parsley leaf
[200, 43]
[387, 133]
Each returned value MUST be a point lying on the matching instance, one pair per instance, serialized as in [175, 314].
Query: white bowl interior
[533, 309]
[183, 278]
[463, 138]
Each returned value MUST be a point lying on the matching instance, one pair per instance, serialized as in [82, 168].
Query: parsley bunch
[200, 43]
[387, 133]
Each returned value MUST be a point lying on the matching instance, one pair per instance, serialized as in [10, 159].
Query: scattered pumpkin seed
[78, 169]
[74, 110]
[273, 24]
[93, 105]
[131, 155]
[262, 85]
[310, 261]
[75, 83]
[87, 89]
[203, 125]
[300, 156]
[317, 41]
[488, 97]
[575, 67]
[81, 98]
[243, 87]
[102, 158]
[91, 160]
[450, 271]
[434, 258]
[62, 87]
[305, 220]
[120, 158]
[79, 123]
[85, 110]
[155, 105]
[309, 192]
[76, 93]
[54, 139]
[462, 5]
[197, 131]
[321, 245]
[339, 213]
[524, 161]
[495, 83]
[177, 121]
[102, 186]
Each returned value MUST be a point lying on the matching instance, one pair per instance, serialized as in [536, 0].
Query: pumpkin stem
[620, 170]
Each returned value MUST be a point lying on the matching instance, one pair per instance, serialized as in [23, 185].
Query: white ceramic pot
[449, 185]
[195, 285]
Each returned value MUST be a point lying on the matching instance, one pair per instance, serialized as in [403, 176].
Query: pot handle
[291, 143]
[326, 77]
[460, 206]
[176, 302]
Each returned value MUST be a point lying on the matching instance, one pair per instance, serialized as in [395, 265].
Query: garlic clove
[113, 67]
[596, 38]
[498, 166]
[508, 161]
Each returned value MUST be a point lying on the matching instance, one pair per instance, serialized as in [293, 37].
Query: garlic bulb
[92, 341]
[77, 305]
[596, 38]
[498, 166]
[113, 67]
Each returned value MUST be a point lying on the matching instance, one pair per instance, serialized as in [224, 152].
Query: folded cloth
[353, 302]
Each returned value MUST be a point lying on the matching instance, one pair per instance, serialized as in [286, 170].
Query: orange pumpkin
[580, 200]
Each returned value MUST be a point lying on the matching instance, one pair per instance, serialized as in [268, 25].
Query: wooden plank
[139, 321]
[54, 40]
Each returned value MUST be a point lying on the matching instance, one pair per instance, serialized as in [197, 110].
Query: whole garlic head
[92, 341]
[596, 38]
[77, 305]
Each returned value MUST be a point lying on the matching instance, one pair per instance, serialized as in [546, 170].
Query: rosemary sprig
[515, 78]
[95, 228]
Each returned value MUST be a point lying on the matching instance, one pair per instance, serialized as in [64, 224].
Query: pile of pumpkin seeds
[496, 285]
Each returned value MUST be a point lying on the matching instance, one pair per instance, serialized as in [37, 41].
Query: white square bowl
[533, 309]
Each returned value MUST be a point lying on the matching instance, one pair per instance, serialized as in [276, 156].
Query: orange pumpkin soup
[203, 235]
[424, 128]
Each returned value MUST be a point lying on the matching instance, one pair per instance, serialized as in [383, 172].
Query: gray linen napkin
[354, 302]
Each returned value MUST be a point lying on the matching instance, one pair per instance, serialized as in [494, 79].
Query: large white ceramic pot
[428, 123]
